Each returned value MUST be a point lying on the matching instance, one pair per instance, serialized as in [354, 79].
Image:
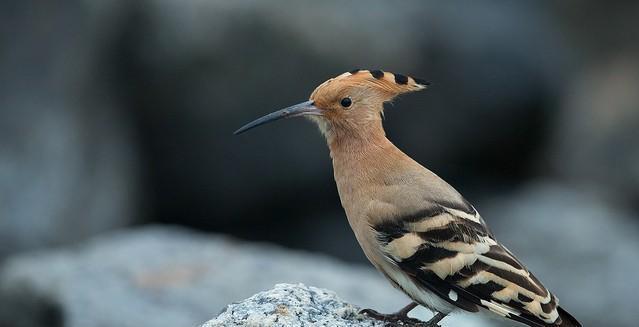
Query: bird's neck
[354, 146]
[361, 160]
[362, 164]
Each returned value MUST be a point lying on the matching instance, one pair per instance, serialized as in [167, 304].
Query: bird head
[351, 102]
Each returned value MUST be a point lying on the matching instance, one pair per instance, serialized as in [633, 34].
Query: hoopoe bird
[415, 228]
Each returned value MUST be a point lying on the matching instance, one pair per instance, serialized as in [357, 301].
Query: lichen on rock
[293, 305]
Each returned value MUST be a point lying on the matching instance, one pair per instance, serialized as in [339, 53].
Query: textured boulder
[160, 276]
[288, 305]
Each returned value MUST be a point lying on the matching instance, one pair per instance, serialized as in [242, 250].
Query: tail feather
[567, 320]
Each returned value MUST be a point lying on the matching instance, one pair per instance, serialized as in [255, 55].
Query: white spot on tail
[452, 295]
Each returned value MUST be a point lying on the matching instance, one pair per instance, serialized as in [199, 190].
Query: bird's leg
[404, 311]
[401, 315]
[434, 320]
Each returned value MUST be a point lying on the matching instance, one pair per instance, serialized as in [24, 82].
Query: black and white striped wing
[451, 252]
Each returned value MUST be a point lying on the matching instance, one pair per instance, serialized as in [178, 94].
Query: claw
[401, 318]
[394, 319]
[376, 315]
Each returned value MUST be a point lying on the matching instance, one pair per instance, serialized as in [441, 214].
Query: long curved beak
[306, 108]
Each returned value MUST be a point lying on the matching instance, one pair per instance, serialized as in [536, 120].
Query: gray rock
[289, 305]
[160, 276]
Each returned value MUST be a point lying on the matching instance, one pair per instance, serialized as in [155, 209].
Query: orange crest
[385, 84]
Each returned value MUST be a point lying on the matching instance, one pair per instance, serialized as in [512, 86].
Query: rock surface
[163, 276]
[291, 306]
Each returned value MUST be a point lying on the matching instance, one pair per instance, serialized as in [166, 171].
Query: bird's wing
[447, 249]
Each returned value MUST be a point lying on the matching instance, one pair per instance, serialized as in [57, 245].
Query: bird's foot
[434, 321]
[395, 319]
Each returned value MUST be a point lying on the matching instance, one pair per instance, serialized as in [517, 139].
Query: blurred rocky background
[116, 114]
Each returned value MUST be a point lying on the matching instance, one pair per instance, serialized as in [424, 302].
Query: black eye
[346, 102]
